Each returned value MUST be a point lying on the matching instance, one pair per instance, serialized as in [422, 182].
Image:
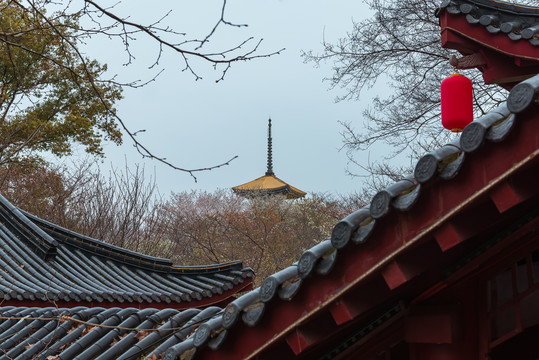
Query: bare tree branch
[61, 23]
[399, 44]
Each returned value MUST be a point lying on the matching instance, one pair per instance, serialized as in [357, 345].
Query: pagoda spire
[269, 184]
[269, 172]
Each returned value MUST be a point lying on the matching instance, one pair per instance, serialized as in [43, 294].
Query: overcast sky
[203, 123]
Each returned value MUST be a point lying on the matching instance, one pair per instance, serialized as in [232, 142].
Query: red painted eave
[507, 61]
[478, 34]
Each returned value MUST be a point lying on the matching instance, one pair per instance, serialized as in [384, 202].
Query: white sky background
[203, 123]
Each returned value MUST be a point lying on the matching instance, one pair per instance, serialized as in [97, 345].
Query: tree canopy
[50, 96]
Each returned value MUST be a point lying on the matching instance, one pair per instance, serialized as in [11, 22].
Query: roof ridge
[517, 9]
[17, 221]
[83, 242]
[101, 248]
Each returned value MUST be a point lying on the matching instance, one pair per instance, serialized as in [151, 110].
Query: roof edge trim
[129, 257]
[98, 247]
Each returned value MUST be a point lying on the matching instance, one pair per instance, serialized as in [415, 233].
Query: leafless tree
[120, 207]
[117, 208]
[267, 233]
[400, 44]
[124, 208]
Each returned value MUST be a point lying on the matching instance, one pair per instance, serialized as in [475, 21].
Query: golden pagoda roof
[268, 184]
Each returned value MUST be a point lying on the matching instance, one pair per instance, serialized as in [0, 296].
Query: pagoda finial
[269, 172]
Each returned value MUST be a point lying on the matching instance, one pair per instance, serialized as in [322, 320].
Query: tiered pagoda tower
[269, 184]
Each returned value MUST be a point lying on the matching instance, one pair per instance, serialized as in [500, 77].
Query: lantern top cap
[455, 74]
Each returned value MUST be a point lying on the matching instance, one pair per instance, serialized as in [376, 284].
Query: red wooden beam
[342, 311]
[447, 236]
[356, 302]
[468, 223]
[506, 197]
[395, 274]
[301, 339]
[298, 341]
[311, 333]
[430, 325]
[410, 264]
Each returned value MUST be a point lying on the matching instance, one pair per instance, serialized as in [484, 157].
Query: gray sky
[203, 123]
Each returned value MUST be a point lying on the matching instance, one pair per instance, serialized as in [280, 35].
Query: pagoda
[269, 184]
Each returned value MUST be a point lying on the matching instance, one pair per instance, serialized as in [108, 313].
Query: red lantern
[457, 102]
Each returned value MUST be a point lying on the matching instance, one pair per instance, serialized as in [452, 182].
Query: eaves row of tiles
[355, 230]
[518, 22]
[41, 262]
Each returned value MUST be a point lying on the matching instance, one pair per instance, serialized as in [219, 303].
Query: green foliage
[50, 95]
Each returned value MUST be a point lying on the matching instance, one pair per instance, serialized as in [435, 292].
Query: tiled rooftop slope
[355, 230]
[42, 262]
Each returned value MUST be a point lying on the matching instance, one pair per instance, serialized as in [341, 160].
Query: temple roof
[93, 333]
[498, 38]
[269, 184]
[464, 200]
[41, 262]
[517, 22]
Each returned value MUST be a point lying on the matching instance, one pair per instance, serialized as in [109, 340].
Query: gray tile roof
[42, 262]
[89, 333]
[518, 22]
